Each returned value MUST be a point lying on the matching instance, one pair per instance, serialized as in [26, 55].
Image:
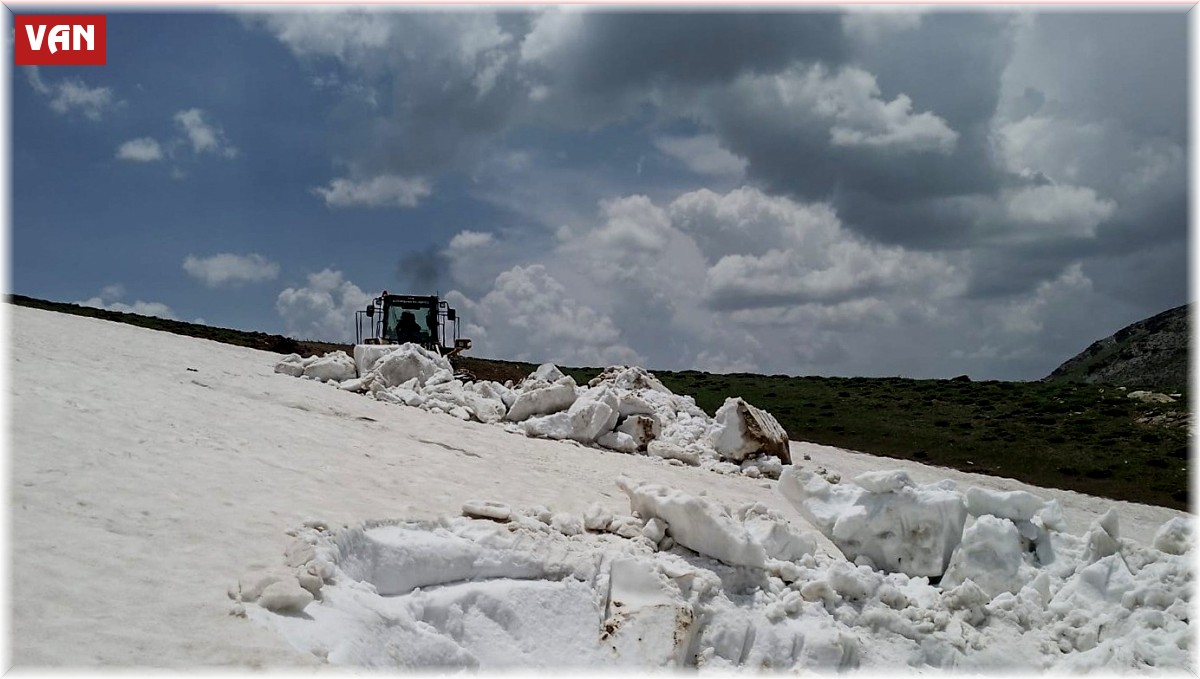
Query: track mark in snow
[449, 447]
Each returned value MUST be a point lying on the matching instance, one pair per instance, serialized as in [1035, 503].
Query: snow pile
[686, 582]
[545, 391]
[624, 409]
[884, 519]
[743, 429]
[333, 367]
[1175, 536]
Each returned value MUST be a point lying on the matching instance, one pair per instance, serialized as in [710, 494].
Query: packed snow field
[179, 502]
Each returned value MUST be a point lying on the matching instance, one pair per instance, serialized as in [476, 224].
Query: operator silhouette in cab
[407, 329]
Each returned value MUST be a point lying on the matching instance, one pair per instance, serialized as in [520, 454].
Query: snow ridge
[624, 409]
[683, 581]
[892, 573]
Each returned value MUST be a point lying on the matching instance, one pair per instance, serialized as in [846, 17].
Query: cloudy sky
[862, 193]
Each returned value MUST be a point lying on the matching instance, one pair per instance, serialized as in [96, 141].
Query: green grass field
[1061, 435]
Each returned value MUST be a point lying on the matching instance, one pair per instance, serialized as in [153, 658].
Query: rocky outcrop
[1150, 353]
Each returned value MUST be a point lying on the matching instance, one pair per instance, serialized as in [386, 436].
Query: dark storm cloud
[1133, 69]
[1005, 272]
[1116, 80]
[438, 129]
[423, 92]
[951, 66]
[1154, 223]
[618, 52]
[1037, 159]
[423, 272]
[1149, 279]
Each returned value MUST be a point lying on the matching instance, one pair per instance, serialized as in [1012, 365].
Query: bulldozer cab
[408, 323]
[426, 320]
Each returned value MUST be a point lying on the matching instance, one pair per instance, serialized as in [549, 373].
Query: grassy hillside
[1085, 437]
[241, 338]
[1077, 436]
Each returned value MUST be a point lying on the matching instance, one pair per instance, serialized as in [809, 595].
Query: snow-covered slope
[150, 472]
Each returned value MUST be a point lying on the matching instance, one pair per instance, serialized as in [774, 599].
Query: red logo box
[60, 40]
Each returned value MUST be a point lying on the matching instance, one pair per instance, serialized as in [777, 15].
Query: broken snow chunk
[884, 481]
[367, 355]
[618, 441]
[778, 538]
[567, 524]
[1014, 505]
[597, 517]
[358, 384]
[251, 585]
[593, 413]
[632, 404]
[670, 451]
[768, 466]
[992, 555]
[625, 526]
[400, 396]
[543, 400]
[1174, 537]
[483, 509]
[336, 366]
[1103, 538]
[696, 523]
[442, 376]
[1051, 517]
[399, 364]
[309, 578]
[724, 467]
[912, 530]
[641, 428]
[739, 429]
[1106, 580]
[556, 426]
[299, 552]
[540, 512]
[547, 372]
[290, 365]
[629, 379]
[584, 421]
[655, 529]
[285, 596]
[493, 391]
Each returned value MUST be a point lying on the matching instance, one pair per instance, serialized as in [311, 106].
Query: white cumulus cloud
[529, 315]
[381, 191]
[203, 136]
[702, 154]
[868, 23]
[1071, 210]
[110, 296]
[849, 104]
[323, 309]
[73, 95]
[142, 150]
[230, 269]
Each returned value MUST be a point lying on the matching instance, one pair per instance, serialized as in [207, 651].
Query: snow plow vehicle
[426, 320]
